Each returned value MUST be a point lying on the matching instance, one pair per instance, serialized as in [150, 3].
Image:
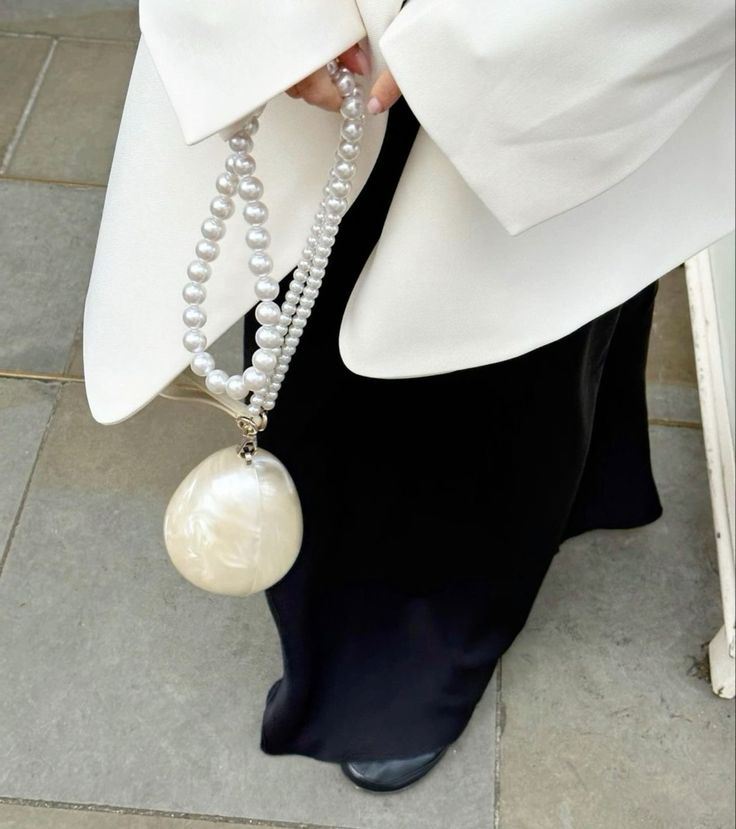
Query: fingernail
[374, 106]
[362, 60]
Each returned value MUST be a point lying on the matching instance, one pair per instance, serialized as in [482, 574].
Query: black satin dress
[426, 538]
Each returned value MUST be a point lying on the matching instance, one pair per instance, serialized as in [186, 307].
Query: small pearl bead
[194, 340]
[306, 303]
[257, 399]
[227, 184]
[216, 381]
[241, 164]
[307, 253]
[250, 188]
[292, 297]
[311, 293]
[235, 387]
[288, 309]
[257, 237]
[267, 288]
[345, 84]
[213, 229]
[255, 212]
[283, 328]
[202, 363]
[352, 130]
[314, 282]
[193, 293]
[288, 350]
[339, 188]
[303, 313]
[250, 127]
[254, 410]
[291, 342]
[264, 360]
[298, 322]
[336, 205]
[271, 395]
[222, 207]
[199, 271]
[284, 361]
[352, 107]
[194, 316]
[320, 261]
[268, 405]
[278, 377]
[317, 273]
[268, 313]
[348, 150]
[268, 337]
[274, 386]
[303, 265]
[322, 252]
[300, 276]
[260, 263]
[240, 143]
[255, 379]
[207, 250]
[344, 170]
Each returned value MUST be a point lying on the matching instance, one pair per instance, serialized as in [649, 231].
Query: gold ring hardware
[249, 429]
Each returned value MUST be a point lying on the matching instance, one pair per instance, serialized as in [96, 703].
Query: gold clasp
[249, 429]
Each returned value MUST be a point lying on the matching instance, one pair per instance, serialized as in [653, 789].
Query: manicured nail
[374, 106]
[362, 60]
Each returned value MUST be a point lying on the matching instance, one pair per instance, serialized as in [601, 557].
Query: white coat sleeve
[542, 105]
[220, 60]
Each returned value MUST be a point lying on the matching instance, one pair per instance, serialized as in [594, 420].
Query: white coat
[568, 155]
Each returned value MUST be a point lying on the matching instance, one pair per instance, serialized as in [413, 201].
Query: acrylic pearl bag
[234, 524]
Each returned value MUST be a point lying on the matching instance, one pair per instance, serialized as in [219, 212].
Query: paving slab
[127, 687]
[21, 59]
[671, 356]
[47, 235]
[42, 817]
[71, 131]
[81, 18]
[25, 406]
[610, 721]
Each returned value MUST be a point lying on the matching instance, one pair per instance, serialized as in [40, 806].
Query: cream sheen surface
[234, 528]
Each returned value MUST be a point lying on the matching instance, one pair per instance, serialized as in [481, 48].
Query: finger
[293, 91]
[317, 89]
[385, 92]
[356, 60]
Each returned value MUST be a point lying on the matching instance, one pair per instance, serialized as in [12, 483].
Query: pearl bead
[240, 143]
[257, 399]
[348, 150]
[250, 188]
[255, 212]
[222, 207]
[194, 294]
[199, 271]
[264, 360]
[340, 188]
[322, 251]
[300, 276]
[250, 127]
[207, 250]
[306, 303]
[352, 130]
[194, 316]
[303, 313]
[288, 309]
[227, 184]
[352, 107]
[288, 350]
[216, 381]
[202, 363]
[307, 253]
[292, 297]
[194, 340]
[284, 360]
[267, 288]
[311, 293]
[257, 237]
[336, 205]
[271, 396]
[278, 377]
[213, 229]
[254, 410]
[268, 337]
[314, 282]
[282, 329]
[235, 387]
[317, 273]
[333, 67]
[269, 405]
[345, 84]
[260, 263]
[298, 322]
[243, 164]
[255, 379]
[303, 265]
[344, 170]
[267, 313]
[320, 261]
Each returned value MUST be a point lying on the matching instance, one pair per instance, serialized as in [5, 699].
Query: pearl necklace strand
[281, 326]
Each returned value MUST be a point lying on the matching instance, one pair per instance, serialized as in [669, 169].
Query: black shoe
[391, 775]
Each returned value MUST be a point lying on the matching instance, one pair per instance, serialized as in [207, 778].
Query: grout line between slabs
[74, 38]
[121, 810]
[25, 115]
[498, 732]
[24, 496]
[59, 182]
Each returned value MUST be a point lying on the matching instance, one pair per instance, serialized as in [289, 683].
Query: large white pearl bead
[250, 188]
[222, 207]
[255, 379]
[216, 381]
[234, 528]
[268, 337]
[235, 387]
[264, 360]
[352, 130]
[194, 293]
[227, 184]
[202, 363]
[260, 263]
[267, 288]
[349, 150]
[194, 340]
[268, 313]
[199, 271]
[257, 237]
[207, 250]
[255, 212]
[194, 316]
[214, 229]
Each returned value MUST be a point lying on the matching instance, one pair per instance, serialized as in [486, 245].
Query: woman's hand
[317, 89]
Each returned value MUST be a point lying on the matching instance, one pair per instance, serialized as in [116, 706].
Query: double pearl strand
[281, 327]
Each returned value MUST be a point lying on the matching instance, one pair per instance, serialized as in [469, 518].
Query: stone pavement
[129, 700]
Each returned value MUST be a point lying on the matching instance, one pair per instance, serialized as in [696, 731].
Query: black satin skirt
[433, 506]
